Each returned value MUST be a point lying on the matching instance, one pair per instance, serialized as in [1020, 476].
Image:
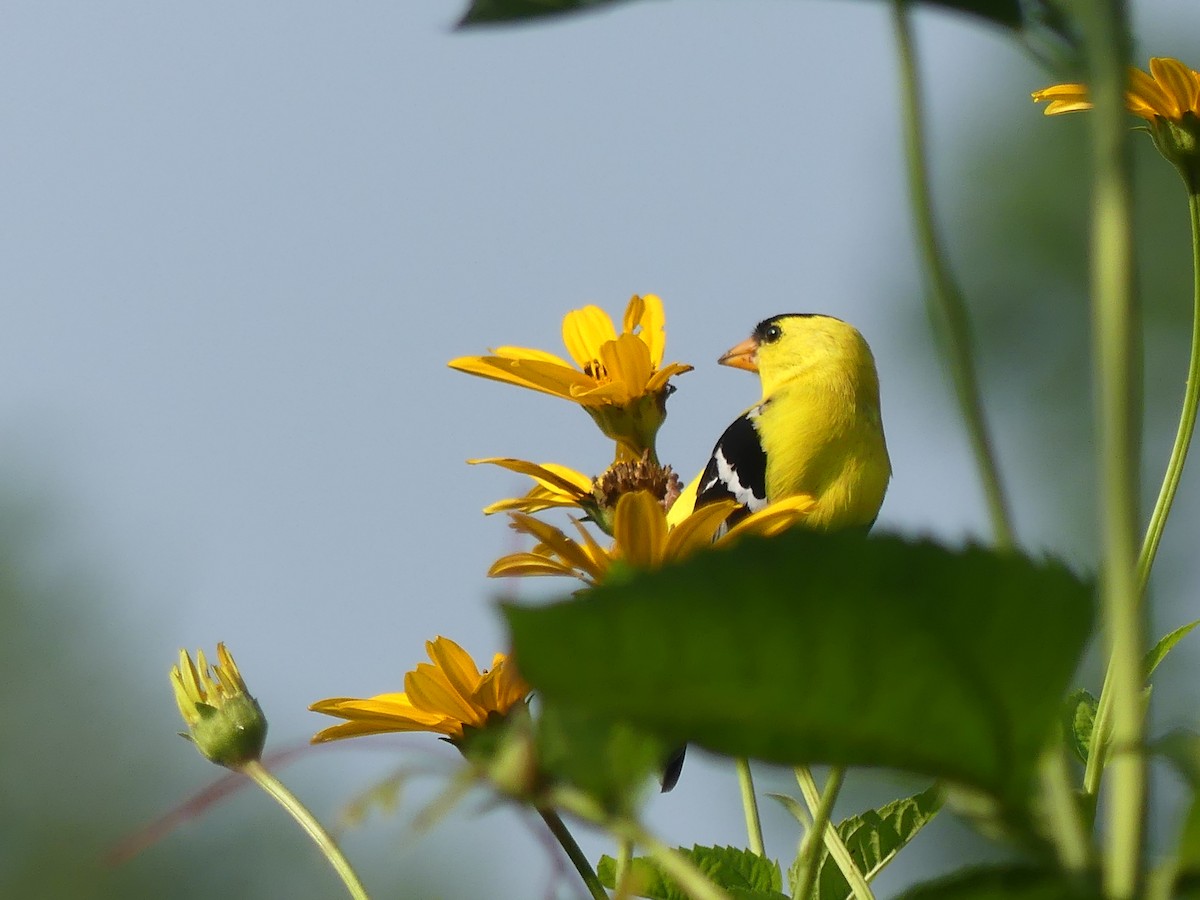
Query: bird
[816, 431]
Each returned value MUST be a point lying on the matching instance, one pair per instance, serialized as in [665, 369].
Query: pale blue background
[239, 242]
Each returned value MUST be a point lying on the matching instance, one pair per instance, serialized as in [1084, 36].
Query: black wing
[737, 469]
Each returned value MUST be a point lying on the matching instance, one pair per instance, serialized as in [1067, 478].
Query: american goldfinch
[817, 430]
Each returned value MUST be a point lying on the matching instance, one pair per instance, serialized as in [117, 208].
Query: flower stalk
[1116, 341]
[750, 807]
[260, 775]
[945, 303]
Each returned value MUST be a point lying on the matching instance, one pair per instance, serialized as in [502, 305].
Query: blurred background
[239, 244]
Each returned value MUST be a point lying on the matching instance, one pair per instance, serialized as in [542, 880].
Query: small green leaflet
[873, 838]
[1079, 715]
[742, 874]
[1164, 646]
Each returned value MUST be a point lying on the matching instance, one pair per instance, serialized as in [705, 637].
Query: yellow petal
[533, 565]
[627, 360]
[429, 689]
[640, 528]
[1146, 92]
[548, 377]
[652, 323]
[697, 530]
[555, 477]
[455, 663]
[1177, 81]
[584, 331]
[360, 728]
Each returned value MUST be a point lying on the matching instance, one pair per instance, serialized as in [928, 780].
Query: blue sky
[240, 242]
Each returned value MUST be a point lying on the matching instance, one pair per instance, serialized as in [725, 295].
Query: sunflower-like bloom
[451, 697]
[1168, 98]
[224, 722]
[618, 378]
[643, 539]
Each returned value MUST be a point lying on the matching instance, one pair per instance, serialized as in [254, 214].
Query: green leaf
[613, 763]
[1079, 715]
[1001, 12]
[742, 874]
[1004, 883]
[828, 648]
[873, 838]
[1182, 748]
[1160, 650]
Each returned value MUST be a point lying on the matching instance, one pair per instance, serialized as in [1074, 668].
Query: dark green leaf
[1182, 748]
[482, 12]
[742, 874]
[613, 763]
[811, 648]
[1001, 12]
[1079, 715]
[873, 838]
[1160, 650]
[1012, 883]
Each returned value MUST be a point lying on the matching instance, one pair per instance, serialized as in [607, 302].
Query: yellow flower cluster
[620, 380]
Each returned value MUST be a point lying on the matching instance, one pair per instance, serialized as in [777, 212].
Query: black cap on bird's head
[768, 331]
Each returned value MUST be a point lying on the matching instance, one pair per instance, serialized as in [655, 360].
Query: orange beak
[743, 356]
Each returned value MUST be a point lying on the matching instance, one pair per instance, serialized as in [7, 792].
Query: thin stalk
[259, 774]
[833, 841]
[1162, 506]
[624, 862]
[681, 869]
[1062, 810]
[1187, 418]
[1116, 345]
[812, 844]
[566, 840]
[750, 807]
[945, 303]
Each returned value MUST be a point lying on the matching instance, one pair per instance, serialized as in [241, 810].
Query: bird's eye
[772, 334]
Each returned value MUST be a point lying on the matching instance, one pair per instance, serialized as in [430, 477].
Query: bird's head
[784, 346]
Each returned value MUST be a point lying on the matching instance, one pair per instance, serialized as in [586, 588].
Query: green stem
[833, 841]
[1116, 345]
[945, 302]
[816, 837]
[259, 774]
[624, 864]
[750, 807]
[1062, 809]
[558, 828]
[1187, 418]
[1162, 506]
[681, 869]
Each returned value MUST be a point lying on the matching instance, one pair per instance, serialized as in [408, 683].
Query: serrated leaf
[873, 838]
[742, 874]
[1005, 883]
[828, 648]
[1160, 650]
[1079, 717]
[480, 12]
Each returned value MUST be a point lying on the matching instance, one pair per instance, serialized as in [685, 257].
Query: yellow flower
[224, 722]
[643, 539]
[1168, 98]
[449, 697]
[618, 378]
